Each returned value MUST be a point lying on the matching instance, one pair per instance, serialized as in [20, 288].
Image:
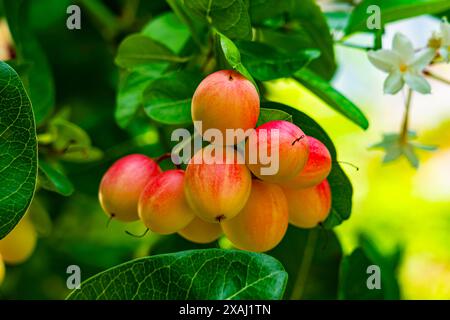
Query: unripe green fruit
[217, 183]
[225, 100]
[263, 222]
[200, 231]
[19, 244]
[123, 183]
[290, 143]
[162, 206]
[316, 169]
[310, 206]
[2, 270]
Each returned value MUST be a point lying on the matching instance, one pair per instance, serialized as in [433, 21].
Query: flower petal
[403, 46]
[422, 59]
[417, 82]
[385, 60]
[445, 32]
[393, 83]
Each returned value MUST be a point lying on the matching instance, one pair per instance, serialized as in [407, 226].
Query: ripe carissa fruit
[200, 231]
[162, 205]
[276, 151]
[123, 183]
[263, 222]
[217, 183]
[225, 100]
[316, 169]
[19, 244]
[310, 206]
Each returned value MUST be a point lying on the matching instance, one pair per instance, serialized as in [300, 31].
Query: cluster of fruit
[18, 245]
[222, 191]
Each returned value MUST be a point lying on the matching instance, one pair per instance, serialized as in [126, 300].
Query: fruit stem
[165, 156]
[436, 77]
[404, 132]
[308, 254]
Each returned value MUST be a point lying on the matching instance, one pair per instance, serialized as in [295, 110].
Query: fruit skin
[162, 205]
[317, 167]
[263, 222]
[123, 183]
[200, 231]
[310, 206]
[217, 191]
[19, 244]
[225, 100]
[293, 150]
[2, 270]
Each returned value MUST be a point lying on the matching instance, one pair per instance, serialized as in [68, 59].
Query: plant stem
[404, 132]
[436, 77]
[300, 282]
[105, 17]
[186, 20]
[353, 46]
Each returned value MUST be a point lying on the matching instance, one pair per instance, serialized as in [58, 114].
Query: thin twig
[436, 77]
[405, 125]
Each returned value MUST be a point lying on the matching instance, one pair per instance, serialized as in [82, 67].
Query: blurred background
[394, 204]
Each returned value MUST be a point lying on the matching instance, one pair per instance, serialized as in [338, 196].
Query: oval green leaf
[391, 11]
[332, 97]
[194, 274]
[53, 180]
[168, 99]
[265, 62]
[137, 50]
[230, 17]
[266, 115]
[18, 150]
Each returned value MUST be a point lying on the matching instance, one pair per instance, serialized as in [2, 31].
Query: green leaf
[194, 275]
[54, 180]
[314, 268]
[168, 99]
[71, 142]
[131, 88]
[265, 62]
[354, 273]
[341, 188]
[168, 29]
[137, 50]
[230, 17]
[261, 10]
[391, 11]
[332, 97]
[233, 57]
[18, 150]
[266, 115]
[36, 74]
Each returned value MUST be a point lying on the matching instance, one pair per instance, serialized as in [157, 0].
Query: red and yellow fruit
[286, 147]
[225, 100]
[162, 205]
[19, 244]
[217, 183]
[263, 222]
[123, 183]
[200, 231]
[310, 206]
[316, 169]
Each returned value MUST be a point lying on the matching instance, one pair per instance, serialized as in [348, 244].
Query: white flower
[403, 65]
